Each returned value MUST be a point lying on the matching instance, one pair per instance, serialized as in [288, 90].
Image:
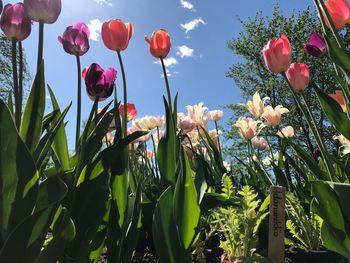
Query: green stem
[217, 132]
[125, 121]
[313, 126]
[77, 132]
[20, 77]
[40, 45]
[167, 85]
[15, 83]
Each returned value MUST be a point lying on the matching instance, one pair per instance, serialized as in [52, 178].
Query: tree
[6, 79]
[250, 75]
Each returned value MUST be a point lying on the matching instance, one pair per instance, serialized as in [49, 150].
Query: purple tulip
[75, 39]
[46, 11]
[100, 83]
[14, 23]
[316, 46]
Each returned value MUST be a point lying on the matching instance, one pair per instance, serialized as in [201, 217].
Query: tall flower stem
[77, 134]
[15, 83]
[40, 45]
[167, 85]
[21, 66]
[125, 121]
[313, 126]
[217, 133]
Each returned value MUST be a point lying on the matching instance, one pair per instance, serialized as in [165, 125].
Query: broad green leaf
[60, 145]
[335, 240]
[165, 235]
[168, 148]
[18, 176]
[186, 208]
[33, 114]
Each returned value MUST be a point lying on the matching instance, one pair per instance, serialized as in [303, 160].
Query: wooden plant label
[277, 224]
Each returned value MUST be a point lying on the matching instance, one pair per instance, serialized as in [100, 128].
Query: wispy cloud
[192, 24]
[95, 27]
[169, 63]
[187, 5]
[104, 2]
[184, 51]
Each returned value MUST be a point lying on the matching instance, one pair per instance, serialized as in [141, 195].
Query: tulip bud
[298, 76]
[100, 83]
[75, 39]
[260, 143]
[46, 11]
[14, 23]
[159, 43]
[316, 46]
[116, 34]
[278, 54]
[339, 11]
[286, 132]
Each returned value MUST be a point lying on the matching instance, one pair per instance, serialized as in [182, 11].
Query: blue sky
[198, 75]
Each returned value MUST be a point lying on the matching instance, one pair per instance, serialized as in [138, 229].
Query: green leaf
[168, 149]
[18, 176]
[186, 208]
[33, 114]
[165, 236]
[60, 144]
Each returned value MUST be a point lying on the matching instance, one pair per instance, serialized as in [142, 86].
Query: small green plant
[305, 228]
[240, 223]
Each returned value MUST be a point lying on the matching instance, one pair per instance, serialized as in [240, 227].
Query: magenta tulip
[46, 11]
[278, 54]
[14, 23]
[316, 46]
[298, 76]
[75, 39]
[100, 83]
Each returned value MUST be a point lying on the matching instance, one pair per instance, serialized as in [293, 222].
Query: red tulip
[298, 76]
[339, 98]
[339, 11]
[14, 23]
[278, 54]
[131, 111]
[116, 34]
[159, 43]
[46, 11]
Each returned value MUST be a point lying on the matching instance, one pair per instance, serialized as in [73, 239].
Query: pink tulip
[339, 11]
[260, 143]
[278, 54]
[298, 76]
[75, 39]
[46, 11]
[14, 23]
[197, 114]
[185, 123]
[339, 98]
[273, 115]
[248, 127]
[256, 106]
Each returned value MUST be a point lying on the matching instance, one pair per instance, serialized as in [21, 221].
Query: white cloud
[104, 2]
[187, 5]
[168, 62]
[95, 27]
[184, 51]
[192, 24]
